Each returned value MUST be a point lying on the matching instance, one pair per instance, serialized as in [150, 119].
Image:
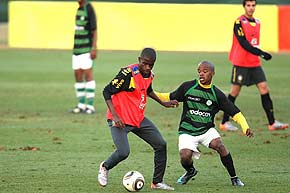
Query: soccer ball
[133, 181]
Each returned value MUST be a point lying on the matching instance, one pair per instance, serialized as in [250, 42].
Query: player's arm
[177, 94]
[120, 83]
[93, 28]
[161, 98]
[241, 120]
[240, 35]
[228, 107]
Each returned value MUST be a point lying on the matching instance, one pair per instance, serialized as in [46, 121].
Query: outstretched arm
[241, 120]
[163, 101]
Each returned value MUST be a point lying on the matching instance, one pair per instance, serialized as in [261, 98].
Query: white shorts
[82, 61]
[187, 141]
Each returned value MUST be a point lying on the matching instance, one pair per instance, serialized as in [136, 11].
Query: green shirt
[84, 26]
[200, 105]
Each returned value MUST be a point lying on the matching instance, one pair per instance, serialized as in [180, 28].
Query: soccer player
[125, 97]
[247, 69]
[201, 101]
[84, 52]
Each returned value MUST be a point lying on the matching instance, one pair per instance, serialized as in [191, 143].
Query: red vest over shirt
[130, 106]
[238, 55]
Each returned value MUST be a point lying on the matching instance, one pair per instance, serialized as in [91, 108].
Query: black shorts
[247, 76]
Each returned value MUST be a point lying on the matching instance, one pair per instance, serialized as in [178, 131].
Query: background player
[84, 52]
[247, 69]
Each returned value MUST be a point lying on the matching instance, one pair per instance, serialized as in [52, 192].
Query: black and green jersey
[85, 24]
[200, 105]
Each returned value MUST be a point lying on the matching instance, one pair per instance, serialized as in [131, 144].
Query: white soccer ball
[133, 181]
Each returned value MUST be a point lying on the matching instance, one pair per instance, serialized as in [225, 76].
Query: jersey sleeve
[122, 82]
[149, 89]
[92, 17]
[225, 104]
[179, 93]
[240, 35]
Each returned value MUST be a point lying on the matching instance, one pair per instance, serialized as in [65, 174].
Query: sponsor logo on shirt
[199, 113]
[191, 98]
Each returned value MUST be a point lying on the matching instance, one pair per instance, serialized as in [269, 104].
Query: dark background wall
[4, 3]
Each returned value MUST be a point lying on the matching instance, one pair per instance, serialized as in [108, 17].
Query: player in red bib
[245, 56]
[126, 97]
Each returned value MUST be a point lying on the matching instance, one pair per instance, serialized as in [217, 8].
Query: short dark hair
[244, 2]
[207, 63]
[149, 52]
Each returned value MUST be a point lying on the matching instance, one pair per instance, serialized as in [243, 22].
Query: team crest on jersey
[208, 102]
[244, 20]
[135, 70]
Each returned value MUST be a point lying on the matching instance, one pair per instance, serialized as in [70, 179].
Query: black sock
[188, 167]
[229, 165]
[226, 117]
[268, 107]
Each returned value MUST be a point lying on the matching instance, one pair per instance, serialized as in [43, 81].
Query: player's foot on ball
[228, 126]
[186, 177]
[278, 126]
[103, 175]
[161, 186]
[237, 182]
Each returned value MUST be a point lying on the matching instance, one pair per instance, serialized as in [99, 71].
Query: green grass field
[43, 148]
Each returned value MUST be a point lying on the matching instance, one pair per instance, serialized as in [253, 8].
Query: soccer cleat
[161, 186]
[77, 110]
[277, 126]
[237, 182]
[228, 126]
[89, 111]
[103, 175]
[186, 177]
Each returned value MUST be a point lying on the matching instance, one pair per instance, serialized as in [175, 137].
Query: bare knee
[235, 90]
[217, 145]
[185, 156]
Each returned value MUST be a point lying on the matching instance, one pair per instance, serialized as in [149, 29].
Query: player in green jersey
[201, 101]
[84, 52]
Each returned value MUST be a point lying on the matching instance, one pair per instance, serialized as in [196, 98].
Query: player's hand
[171, 104]
[266, 56]
[93, 54]
[117, 122]
[249, 133]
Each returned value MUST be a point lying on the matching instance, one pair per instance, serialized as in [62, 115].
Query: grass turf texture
[43, 148]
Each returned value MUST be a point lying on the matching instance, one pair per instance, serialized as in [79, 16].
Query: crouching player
[201, 101]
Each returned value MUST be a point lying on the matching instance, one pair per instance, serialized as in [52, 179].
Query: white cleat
[103, 175]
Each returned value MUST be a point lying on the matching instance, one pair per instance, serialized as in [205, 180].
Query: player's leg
[122, 151]
[90, 91]
[226, 125]
[150, 134]
[79, 84]
[226, 160]
[238, 78]
[187, 146]
[87, 66]
[260, 81]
